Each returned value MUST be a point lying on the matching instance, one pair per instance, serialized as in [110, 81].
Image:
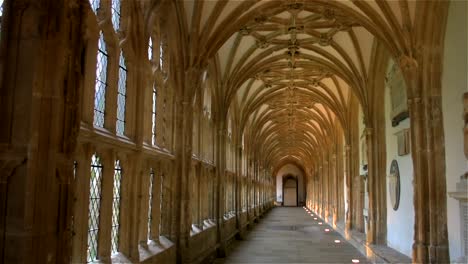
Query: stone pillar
[238, 188]
[334, 189]
[349, 185]
[326, 186]
[39, 95]
[221, 183]
[427, 150]
[182, 222]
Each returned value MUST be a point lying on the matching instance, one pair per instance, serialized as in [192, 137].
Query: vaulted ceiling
[288, 69]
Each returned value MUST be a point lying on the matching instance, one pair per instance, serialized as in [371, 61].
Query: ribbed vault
[288, 70]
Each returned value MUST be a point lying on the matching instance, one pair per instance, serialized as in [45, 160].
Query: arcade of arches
[160, 131]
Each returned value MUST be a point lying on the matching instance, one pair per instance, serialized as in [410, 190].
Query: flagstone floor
[291, 235]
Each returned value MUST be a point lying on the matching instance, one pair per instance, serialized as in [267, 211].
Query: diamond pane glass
[155, 97]
[115, 9]
[161, 56]
[150, 202]
[116, 208]
[101, 83]
[94, 208]
[121, 96]
[94, 5]
[1, 19]
[150, 49]
[161, 201]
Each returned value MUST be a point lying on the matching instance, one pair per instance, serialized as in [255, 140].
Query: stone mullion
[166, 200]
[198, 220]
[87, 105]
[81, 207]
[143, 203]
[205, 190]
[130, 206]
[156, 206]
[105, 221]
[144, 193]
[146, 108]
[110, 111]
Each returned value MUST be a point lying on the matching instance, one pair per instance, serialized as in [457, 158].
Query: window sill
[153, 248]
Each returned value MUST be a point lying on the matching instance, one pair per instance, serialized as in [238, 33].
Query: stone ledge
[375, 253]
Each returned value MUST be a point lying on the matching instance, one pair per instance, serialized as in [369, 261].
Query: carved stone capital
[408, 64]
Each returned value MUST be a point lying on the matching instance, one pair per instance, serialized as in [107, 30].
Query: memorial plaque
[394, 185]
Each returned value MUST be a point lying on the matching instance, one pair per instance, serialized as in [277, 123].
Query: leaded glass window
[150, 202]
[1, 15]
[155, 97]
[121, 96]
[101, 83]
[161, 201]
[150, 49]
[116, 207]
[94, 5]
[161, 55]
[95, 191]
[115, 10]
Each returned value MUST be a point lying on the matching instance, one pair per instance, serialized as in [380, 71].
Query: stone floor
[291, 235]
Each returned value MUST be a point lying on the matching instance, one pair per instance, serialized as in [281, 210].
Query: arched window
[95, 4]
[116, 207]
[121, 96]
[95, 191]
[101, 83]
[150, 202]
[115, 10]
[153, 118]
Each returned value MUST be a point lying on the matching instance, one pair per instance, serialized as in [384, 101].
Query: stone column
[376, 230]
[427, 150]
[221, 130]
[334, 186]
[182, 222]
[39, 98]
[349, 186]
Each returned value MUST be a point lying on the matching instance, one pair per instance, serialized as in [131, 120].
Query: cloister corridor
[291, 235]
[209, 131]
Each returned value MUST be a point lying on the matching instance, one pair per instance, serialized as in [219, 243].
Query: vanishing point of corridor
[291, 235]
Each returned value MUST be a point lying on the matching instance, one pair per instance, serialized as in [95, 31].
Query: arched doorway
[290, 190]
